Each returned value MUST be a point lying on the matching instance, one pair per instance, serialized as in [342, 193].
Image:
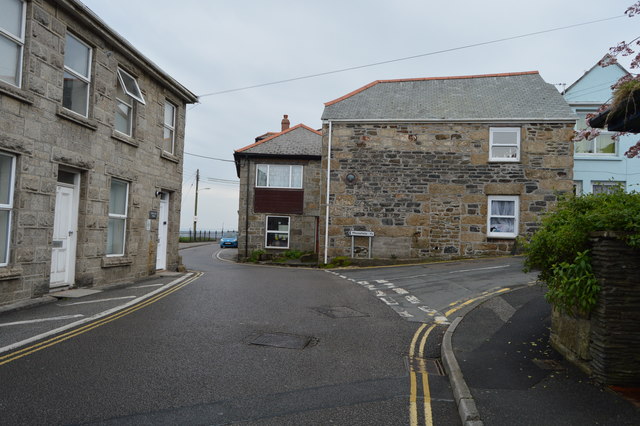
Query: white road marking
[442, 320]
[388, 300]
[363, 282]
[400, 291]
[412, 299]
[382, 281]
[99, 300]
[478, 269]
[65, 317]
[148, 285]
[380, 293]
[94, 317]
[404, 314]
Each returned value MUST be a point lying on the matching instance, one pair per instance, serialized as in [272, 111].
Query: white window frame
[19, 40]
[267, 232]
[492, 132]
[516, 216]
[578, 188]
[593, 142]
[86, 79]
[129, 103]
[291, 166]
[9, 207]
[605, 184]
[171, 127]
[136, 93]
[120, 216]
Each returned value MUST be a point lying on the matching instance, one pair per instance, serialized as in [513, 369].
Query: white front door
[163, 228]
[63, 252]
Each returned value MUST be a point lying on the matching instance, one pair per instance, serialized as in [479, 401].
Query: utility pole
[195, 210]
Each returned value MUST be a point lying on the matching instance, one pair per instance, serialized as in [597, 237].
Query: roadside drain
[431, 366]
[341, 312]
[282, 340]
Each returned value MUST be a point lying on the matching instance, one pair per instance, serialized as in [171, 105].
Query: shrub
[559, 249]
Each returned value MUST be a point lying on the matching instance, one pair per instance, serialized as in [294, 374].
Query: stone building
[91, 150]
[442, 167]
[279, 204]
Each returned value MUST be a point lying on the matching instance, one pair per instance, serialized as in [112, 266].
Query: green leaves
[559, 249]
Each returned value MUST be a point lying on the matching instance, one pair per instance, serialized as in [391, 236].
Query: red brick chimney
[285, 122]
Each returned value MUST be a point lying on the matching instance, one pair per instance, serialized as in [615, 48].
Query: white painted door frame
[163, 231]
[65, 234]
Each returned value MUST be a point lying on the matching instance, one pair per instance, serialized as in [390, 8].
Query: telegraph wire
[406, 58]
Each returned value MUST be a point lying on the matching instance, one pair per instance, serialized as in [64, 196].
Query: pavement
[504, 372]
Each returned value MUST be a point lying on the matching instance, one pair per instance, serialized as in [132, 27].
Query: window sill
[77, 118]
[124, 138]
[16, 93]
[10, 273]
[170, 157]
[503, 160]
[502, 237]
[597, 157]
[115, 261]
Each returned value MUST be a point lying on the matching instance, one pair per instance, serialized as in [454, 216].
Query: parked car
[229, 240]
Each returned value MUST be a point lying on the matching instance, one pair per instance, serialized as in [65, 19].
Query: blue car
[229, 240]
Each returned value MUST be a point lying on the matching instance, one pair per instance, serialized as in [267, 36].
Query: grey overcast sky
[217, 45]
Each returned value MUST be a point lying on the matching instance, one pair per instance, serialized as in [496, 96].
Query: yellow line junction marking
[5, 359]
[417, 369]
[459, 304]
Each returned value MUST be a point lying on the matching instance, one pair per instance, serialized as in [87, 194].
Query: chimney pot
[285, 122]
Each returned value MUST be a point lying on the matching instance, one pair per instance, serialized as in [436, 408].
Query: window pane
[6, 172]
[115, 236]
[5, 216]
[130, 84]
[10, 54]
[169, 114]
[168, 140]
[280, 224]
[261, 171]
[74, 95]
[502, 208]
[605, 145]
[502, 224]
[123, 118]
[11, 17]
[277, 240]
[504, 152]
[296, 176]
[118, 199]
[583, 147]
[279, 176]
[505, 138]
[76, 56]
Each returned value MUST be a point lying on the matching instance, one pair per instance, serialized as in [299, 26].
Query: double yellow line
[459, 304]
[5, 359]
[418, 360]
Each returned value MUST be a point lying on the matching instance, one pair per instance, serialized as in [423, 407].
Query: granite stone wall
[252, 225]
[422, 188]
[46, 138]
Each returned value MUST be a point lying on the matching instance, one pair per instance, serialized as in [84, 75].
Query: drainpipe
[326, 226]
[246, 214]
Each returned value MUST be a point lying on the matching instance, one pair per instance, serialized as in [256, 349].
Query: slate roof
[299, 140]
[513, 96]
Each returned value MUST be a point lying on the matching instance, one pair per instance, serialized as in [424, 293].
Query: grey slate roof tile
[299, 140]
[510, 96]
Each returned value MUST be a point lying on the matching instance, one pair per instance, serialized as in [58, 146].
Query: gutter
[457, 120]
[326, 226]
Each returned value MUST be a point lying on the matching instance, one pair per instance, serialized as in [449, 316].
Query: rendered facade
[91, 153]
[600, 163]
